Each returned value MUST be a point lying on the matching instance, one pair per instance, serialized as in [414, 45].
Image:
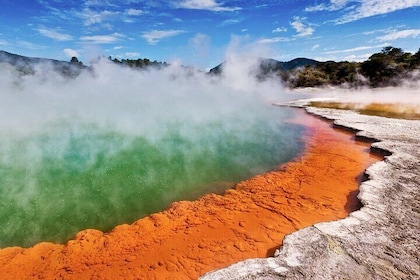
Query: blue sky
[200, 32]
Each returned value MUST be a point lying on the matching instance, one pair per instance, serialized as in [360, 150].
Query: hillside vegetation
[389, 67]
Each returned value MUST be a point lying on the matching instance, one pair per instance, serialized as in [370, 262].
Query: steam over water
[115, 144]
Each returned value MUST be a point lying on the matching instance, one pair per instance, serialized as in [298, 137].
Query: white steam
[129, 100]
[116, 143]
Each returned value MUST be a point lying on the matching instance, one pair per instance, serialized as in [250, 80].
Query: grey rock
[381, 240]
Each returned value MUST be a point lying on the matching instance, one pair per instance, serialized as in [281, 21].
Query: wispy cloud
[314, 47]
[102, 39]
[384, 30]
[132, 54]
[133, 12]
[56, 35]
[368, 8]
[30, 45]
[229, 22]
[303, 29]
[334, 5]
[356, 49]
[274, 40]
[395, 35]
[100, 3]
[154, 36]
[93, 17]
[210, 5]
[279, 30]
[354, 57]
[359, 9]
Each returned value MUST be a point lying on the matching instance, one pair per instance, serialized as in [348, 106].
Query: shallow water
[71, 175]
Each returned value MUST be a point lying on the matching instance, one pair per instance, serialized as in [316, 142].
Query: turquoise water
[70, 176]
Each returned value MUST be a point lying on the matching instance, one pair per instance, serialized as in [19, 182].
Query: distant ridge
[268, 65]
[26, 64]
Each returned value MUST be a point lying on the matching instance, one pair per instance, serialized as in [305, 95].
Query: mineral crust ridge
[379, 241]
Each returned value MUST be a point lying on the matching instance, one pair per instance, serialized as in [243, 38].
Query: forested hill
[26, 65]
[390, 67]
[270, 65]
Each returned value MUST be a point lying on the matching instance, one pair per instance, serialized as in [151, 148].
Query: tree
[309, 76]
[415, 60]
[75, 60]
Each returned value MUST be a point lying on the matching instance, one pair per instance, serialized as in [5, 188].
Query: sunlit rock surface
[381, 240]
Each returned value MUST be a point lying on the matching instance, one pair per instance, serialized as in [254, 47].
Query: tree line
[138, 63]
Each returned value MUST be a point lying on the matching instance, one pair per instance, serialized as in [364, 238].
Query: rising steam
[114, 144]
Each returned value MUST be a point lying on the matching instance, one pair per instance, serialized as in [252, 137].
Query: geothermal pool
[68, 177]
[95, 151]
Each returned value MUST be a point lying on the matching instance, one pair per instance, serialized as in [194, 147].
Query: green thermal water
[67, 177]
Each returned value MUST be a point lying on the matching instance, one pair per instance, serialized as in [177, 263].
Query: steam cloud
[81, 152]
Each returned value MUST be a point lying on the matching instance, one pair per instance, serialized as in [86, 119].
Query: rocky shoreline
[379, 241]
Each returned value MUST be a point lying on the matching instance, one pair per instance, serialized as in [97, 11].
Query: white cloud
[210, 5]
[153, 37]
[314, 47]
[395, 35]
[280, 29]
[54, 34]
[301, 28]
[3, 43]
[102, 39]
[359, 9]
[70, 52]
[273, 40]
[118, 47]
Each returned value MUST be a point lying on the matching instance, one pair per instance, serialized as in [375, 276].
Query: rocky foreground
[381, 240]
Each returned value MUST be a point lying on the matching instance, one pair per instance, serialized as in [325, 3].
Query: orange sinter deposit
[191, 238]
